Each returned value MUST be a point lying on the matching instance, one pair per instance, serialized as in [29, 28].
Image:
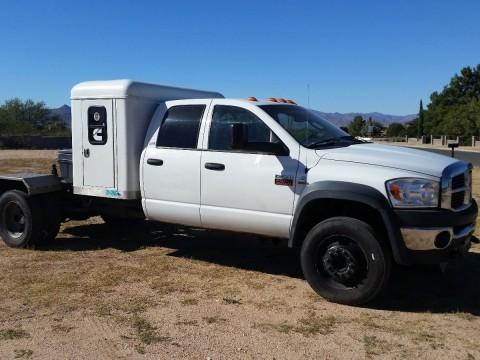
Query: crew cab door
[246, 187]
[171, 165]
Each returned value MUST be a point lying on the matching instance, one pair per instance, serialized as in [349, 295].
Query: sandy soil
[159, 291]
[27, 154]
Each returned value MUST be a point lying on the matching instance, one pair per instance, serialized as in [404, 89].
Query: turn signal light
[395, 191]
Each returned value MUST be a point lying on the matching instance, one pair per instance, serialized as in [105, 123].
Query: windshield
[306, 126]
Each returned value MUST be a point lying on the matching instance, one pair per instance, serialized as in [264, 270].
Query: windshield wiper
[326, 142]
[333, 141]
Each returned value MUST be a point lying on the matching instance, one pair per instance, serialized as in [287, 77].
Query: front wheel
[344, 262]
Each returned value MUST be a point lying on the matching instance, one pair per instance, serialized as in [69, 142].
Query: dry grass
[23, 353]
[309, 325]
[12, 334]
[163, 291]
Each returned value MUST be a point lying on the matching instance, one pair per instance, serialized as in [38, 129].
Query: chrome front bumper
[437, 238]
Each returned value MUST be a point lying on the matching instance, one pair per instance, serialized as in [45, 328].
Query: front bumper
[435, 236]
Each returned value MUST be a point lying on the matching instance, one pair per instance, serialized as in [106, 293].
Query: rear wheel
[20, 219]
[343, 261]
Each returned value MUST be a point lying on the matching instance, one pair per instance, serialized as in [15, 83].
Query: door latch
[86, 153]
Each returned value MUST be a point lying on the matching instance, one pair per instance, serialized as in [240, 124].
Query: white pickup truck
[272, 168]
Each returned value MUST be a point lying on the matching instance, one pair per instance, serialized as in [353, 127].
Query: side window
[97, 125]
[180, 126]
[257, 133]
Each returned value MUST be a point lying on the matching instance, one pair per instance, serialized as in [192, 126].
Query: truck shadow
[411, 289]
[247, 252]
[428, 289]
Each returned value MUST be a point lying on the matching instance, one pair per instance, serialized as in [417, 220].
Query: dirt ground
[158, 291]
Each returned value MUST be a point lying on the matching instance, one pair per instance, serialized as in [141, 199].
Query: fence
[475, 141]
[35, 142]
[420, 140]
[441, 140]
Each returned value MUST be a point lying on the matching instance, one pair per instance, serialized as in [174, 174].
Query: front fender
[367, 195]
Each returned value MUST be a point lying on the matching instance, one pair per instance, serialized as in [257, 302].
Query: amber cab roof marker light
[272, 99]
[289, 101]
[252, 98]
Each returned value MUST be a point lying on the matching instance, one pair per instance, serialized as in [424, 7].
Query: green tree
[421, 121]
[357, 126]
[28, 117]
[396, 130]
[456, 109]
[411, 128]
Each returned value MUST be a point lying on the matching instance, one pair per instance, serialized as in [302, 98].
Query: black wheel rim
[341, 262]
[14, 219]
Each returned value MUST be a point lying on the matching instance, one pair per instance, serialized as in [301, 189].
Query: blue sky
[355, 55]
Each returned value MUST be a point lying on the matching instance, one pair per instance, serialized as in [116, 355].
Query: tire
[20, 219]
[344, 262]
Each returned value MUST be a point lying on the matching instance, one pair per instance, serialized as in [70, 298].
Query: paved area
[465, 153]
[470, 156]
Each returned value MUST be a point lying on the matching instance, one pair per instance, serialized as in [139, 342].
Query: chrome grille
[457, 199]
[458, 191]
[458, 181]
[457, 186]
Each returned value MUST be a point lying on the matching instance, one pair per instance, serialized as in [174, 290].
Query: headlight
[412, 192]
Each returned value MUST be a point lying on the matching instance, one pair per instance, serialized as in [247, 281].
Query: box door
[98, 138]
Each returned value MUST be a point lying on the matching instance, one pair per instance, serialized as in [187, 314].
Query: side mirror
[277, 149]
[239, 141]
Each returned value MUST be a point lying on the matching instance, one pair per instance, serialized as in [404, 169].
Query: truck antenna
[308, 95]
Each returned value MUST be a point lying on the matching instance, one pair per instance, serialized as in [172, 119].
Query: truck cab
[265, 167]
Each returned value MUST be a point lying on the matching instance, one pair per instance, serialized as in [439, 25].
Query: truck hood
[404, 158]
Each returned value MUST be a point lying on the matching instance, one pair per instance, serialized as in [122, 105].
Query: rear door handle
[155, 162]
[214, 166]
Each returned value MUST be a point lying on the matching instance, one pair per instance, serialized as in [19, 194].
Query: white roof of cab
[128, 88]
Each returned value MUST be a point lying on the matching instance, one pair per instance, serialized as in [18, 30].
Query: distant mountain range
[63, 112]
[339, 119]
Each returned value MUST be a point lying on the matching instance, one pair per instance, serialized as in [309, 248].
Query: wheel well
[318, 210]
[6, 185]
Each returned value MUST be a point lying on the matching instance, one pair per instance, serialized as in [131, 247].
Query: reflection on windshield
[307, 127]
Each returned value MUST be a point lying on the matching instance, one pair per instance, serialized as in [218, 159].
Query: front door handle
[155, 162]
[214, 166]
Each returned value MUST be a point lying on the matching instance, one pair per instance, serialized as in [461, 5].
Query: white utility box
[109, 123]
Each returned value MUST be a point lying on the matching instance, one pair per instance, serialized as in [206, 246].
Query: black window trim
[201, 120]
[242, 151]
